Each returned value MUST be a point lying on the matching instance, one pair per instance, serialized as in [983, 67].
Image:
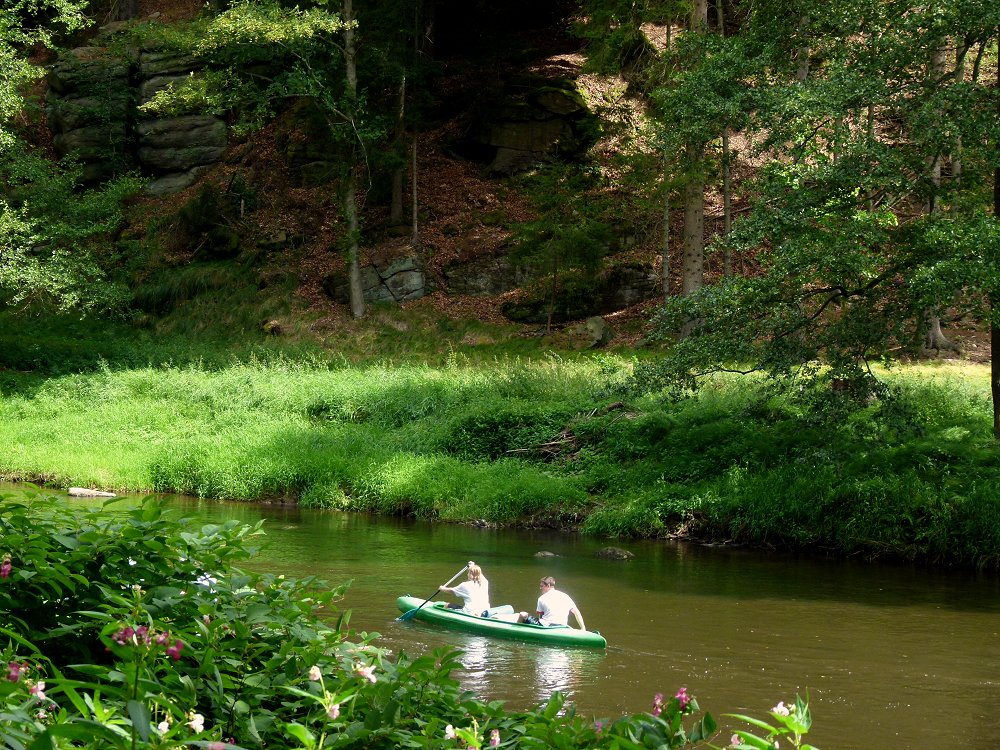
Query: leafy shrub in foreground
[134, 630]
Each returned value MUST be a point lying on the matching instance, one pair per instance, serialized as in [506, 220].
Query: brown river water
[890, 656]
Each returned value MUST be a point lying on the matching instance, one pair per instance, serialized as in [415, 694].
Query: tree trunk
[727, 204]
[350, 189]
[396, 204]
[935, 340]
[694, 221]
[698, 20]
[665, 262]
[357, 291]
[693, 268]
[415, 234]
[995, 298]
[803, 53]
[956, 157]
[123, 10]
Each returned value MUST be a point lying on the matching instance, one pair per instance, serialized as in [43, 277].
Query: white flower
[314, 673]
[38, 690]
[449, 732]
[163, 726]
[197, 723]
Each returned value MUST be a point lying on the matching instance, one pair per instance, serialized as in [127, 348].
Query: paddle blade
[407, 615]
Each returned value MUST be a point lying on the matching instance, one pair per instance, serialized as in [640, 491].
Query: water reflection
[522, 674]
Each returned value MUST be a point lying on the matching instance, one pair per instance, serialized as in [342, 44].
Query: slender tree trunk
[804, 52]
[956, 157]
[665, 262]
[936, 341]
[727, 178]
[871, 144]
[693, 268]
[553, 293]
[727, 204]
[396, 205]
[350, 190]
[995, 297]
[415, 223]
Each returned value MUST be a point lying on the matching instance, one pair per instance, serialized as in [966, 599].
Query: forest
[643, 261]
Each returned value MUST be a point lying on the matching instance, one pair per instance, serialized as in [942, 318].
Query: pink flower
[196, 723]
[495, 738]
[5, 567]
[215, 746]
[657, 704]
[163, 638]
[14, 671]
[333, 711]
[683, 698]
[598, 726]
[174, 652]
[781, 709]
[124, 636]
[735, 740]
[449, 732]
[314, 673]
[367, 672]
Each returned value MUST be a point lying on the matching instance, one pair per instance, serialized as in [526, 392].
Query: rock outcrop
[94, 99]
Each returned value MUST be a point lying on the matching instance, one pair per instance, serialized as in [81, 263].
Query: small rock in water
[543, 553]
[85, 492]
[615, 553]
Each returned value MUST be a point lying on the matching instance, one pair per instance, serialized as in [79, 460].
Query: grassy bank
[547, 441]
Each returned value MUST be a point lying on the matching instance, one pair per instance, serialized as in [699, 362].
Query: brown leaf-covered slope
[454, 195]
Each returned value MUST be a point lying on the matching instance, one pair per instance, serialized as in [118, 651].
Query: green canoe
[437, 613]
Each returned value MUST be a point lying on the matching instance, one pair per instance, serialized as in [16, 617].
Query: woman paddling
[475, 592]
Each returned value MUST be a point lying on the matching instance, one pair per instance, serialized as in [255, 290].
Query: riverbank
[549, 442]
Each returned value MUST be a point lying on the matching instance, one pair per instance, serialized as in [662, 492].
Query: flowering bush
[790, 722]
[131, 629]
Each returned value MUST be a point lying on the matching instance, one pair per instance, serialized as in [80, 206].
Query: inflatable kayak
[437, 613]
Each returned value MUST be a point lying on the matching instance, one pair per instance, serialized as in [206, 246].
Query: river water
[890, 656]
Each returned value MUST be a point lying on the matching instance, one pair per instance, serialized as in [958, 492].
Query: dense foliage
[50, 231]
[132, 629]
[875, 125]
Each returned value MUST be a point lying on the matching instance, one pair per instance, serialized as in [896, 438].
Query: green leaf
[302, 734]
[141, 718]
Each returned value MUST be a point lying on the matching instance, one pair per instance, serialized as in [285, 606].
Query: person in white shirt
[554, 606]
[474, 593]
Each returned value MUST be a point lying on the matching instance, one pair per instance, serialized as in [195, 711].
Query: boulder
[193, 131]
[599, 331]
[488, 275]
[154, 64]
[175, 182]
[87, 69]
[179, 159]
[396, 279]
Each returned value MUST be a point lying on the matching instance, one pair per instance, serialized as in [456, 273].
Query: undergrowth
[549, 441]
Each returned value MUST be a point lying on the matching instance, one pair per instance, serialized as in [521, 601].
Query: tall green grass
[537, 441]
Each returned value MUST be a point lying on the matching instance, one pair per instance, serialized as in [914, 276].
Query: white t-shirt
[555, 607]
[475, 595]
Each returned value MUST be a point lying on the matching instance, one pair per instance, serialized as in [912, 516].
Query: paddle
[407, 615]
